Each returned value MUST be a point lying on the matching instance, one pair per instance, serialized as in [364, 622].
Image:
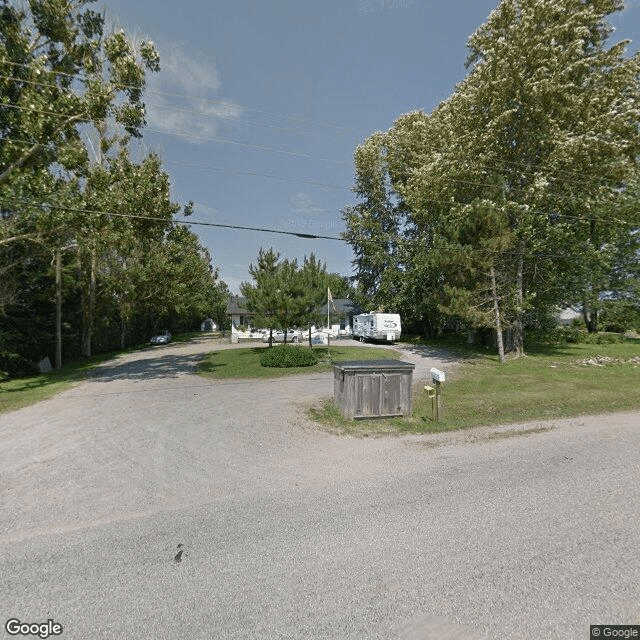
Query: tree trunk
[88, 307]
[590, 317]
[123, 333]
[518, 330]
[590, 300]
[58, 309]
[496, 310]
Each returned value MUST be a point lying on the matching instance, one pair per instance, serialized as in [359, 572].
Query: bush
[604, 338]
[13, 365]
[621, 315]
[574, 336]
[558, 335]
[286, 356]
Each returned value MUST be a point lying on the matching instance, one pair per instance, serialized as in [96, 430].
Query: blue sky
[260, 104]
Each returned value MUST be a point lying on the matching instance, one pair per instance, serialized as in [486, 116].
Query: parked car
[161, 338]
[318, 338]
[293, 335]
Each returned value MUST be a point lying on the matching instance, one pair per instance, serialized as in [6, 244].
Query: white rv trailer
[377, 326]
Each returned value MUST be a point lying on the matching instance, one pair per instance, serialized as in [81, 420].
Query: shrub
[286, 356]
[13, 365]
[573, 336]
[621, 315]
[604, 338]
[560, 335]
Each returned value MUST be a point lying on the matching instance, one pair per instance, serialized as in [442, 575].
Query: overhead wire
[171, 94]
[435, 201]
[209, 168]
[287, 152]
[165, 220]
[186, 134]
[230, 104]
[377, 240]
[271, 149]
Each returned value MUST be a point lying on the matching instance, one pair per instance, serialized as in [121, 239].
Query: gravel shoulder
[146, 433]
[290, 532]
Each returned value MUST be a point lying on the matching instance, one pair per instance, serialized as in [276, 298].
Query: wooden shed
[373, 388]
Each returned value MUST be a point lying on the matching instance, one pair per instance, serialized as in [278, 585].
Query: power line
[202, 114]
[212, 169]
[234, 105]
[245, 144]
[377, 240]
[281, 151]
[168, 222]
[435, 201]
[224, 103]
[185, 134]
[264, 148]
[256, 173]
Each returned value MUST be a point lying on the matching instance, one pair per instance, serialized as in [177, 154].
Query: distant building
[238, 312]
[569, 314]
[341, 313]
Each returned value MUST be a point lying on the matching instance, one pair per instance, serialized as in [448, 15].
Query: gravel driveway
[148, 502]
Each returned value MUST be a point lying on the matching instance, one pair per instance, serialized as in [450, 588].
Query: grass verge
[553, 381]
[245, 363]
[22, 392]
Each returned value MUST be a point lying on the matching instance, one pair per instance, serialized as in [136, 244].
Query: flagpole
[328, 325]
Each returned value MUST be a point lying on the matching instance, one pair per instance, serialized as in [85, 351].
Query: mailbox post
[438, 377]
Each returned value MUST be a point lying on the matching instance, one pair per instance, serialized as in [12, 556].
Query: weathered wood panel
[373, 389]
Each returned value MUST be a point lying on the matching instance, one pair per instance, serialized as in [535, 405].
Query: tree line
[517, 195]
[87, 225]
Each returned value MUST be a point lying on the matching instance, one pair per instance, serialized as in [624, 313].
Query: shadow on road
[433, 353]
[146, 368]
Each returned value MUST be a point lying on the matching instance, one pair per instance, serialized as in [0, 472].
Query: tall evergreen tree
[263, 296]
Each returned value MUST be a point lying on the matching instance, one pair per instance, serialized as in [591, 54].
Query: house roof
[237, 305]
[342, 305]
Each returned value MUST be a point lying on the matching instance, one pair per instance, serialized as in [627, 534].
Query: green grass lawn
[22, 392]
[245, 363]
[551, 382]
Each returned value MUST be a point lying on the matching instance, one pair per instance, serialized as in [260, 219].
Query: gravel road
[148, 502]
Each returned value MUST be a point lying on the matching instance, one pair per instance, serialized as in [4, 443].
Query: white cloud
[210, 212]
[185, 72]
[183, 98]
[309, 217]
[302, 204]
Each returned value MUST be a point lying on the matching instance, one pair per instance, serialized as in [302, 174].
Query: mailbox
[437, 375]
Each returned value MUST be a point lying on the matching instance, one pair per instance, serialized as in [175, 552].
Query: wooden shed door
[390, 396]
[377, 395]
